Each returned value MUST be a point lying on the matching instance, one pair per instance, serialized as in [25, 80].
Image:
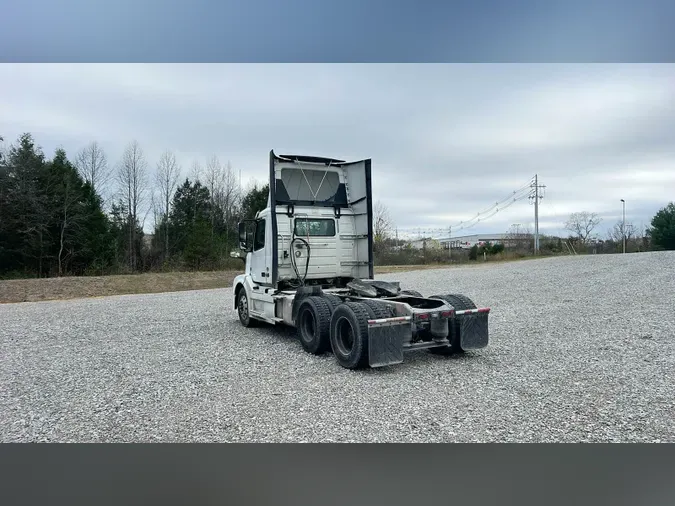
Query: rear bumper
[386, 336]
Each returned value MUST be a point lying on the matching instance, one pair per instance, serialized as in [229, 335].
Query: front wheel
[243, 309]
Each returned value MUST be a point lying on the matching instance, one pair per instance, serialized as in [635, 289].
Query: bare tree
[518, 236]
[518, 230]
[224, 188]
[213, 176]
[68, 219]
[196, 172]
[616, 234]
[156, 206]
[166, 179]
[92, 164]
[132, 179]
[582, 225]
[382, 221]
[228, 198]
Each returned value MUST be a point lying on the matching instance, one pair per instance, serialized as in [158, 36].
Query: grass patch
[32, 290]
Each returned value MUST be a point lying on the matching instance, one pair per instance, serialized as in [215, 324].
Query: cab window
[259, 240]
[315, 227]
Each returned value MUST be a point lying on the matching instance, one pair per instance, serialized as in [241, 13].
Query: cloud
[447, 141]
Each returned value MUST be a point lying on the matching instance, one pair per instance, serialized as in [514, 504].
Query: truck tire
[349, 335]
[377, 309]
[333, 301]
[242, 309]
[413, 293]
[313, 324]
[459, 302]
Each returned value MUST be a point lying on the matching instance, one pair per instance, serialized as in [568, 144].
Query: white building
[428, 243]
[468, 241]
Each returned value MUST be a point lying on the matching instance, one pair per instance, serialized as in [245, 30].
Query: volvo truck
[309, 264]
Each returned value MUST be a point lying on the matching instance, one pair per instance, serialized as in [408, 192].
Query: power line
[468, 225]
[521, 193]
[514, 195]
[493, 213]
[479, 217]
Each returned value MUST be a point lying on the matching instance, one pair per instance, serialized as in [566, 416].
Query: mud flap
[385, 344]
[473, 331]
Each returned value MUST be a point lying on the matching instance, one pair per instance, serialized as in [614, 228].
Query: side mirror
[242, 235]
[246, 235]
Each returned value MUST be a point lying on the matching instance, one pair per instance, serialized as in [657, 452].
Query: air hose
[301, 279]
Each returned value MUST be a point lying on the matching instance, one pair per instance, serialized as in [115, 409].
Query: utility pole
[536, 196]
[536, 215]
[450, 242]
[623, 225]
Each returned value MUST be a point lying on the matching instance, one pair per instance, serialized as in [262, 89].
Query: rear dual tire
[349, 334]
[333, 301]
[313, 324]
[460, 303]
[324, 324]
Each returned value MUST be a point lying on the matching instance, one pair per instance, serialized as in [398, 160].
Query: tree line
[84, 216]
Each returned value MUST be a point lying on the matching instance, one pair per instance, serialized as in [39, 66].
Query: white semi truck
[309, 264]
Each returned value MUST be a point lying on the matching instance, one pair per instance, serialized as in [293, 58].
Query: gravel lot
[582, 349]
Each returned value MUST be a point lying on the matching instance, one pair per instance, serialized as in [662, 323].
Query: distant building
[426, 243]
[468, 241]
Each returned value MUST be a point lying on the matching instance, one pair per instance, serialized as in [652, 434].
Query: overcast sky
[447, 141]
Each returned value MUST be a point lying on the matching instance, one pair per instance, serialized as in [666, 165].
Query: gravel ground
[581, 349]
